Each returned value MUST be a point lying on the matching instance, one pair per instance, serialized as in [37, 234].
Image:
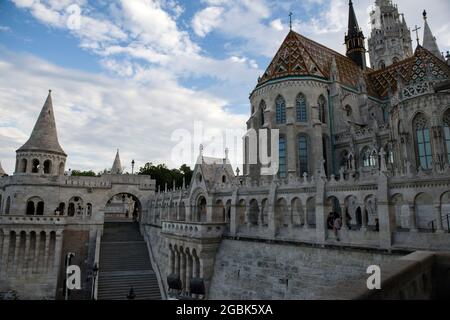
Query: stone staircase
[125, 263]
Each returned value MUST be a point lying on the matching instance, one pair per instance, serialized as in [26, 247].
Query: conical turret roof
[44, 136]
[117, 165]
[2, 172]
[429, 41]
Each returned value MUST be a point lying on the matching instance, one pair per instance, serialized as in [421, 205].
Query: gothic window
[303, 154]
[30, 208]
[262, 108]
[89, 209]
[423, 141]
[47, 167]
[301, 108]
[40, 208]
[369, 158]
[282, 157]
[348, 110]
[395, 60]
[382, 65]
[447, 133]
[280, 104]
[322, 107]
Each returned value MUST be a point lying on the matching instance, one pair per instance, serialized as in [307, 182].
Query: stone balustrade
[35, 220]
[194, 229]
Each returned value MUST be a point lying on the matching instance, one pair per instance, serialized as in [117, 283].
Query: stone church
[367, 144]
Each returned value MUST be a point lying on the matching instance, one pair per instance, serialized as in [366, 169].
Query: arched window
[303, 154]
[300, 103]
[447, 133]
[348, 110]
[71, 210]
[40, 208]
[282, 157]
[30, 208]
[1, 203]
[423, 141]
[389, 157]
[395, 59]
[89, 209]
[369, 158]
[35, 168]
[262, 108]
[322, 110]
[47, 167]
[382, 65]
[280, 104]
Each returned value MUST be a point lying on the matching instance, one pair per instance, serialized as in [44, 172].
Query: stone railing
[35, 220]
[194, 229]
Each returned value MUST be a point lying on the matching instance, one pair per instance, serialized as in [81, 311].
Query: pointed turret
[44, 137]
[429, 41]
[354, 40]
[117, 165]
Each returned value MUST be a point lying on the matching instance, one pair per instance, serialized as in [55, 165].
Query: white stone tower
[429, 41]
[390, 38]
[42, 153]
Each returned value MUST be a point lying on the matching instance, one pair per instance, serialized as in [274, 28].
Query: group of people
[334, 222]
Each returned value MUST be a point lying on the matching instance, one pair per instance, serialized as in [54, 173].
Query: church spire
[429, 41]
[44, 136]
[354, 39]
[117, 166]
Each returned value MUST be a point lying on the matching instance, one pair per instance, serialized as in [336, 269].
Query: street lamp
[94, 278]
[132, 166]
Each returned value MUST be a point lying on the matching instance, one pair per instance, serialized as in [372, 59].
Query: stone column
[188, 272]
[177, 263]
[363, 218]
[58, 250]
[5, 252]
[343, 215]
[439, 226]
[183, 270]
[16, 252]
[171, 261]
[35, 267]
[26, 254]
[412, 218]
[47, 244]
[305, 216]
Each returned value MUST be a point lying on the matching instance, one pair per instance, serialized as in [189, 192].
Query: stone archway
[123, 206]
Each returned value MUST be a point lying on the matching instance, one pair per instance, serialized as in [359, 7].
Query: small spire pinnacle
[424, 15]
[290, 20]
[117, 165]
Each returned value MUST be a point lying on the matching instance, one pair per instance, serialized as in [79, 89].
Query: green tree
[78, 173]
[163, 175]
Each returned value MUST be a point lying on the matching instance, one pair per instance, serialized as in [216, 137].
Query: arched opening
[446, 123]
[40, 208]
[182, 212]
[30, 208]
[422, 140]
[350, 211]
[303, 154]
[228, 212]
[23, 165]
[62, 208]
[369, 157]
[301, 108]
[311, 212]
[253, 213]
[322, 102]
[282, 148]
[358, 216]
[71, 209]
[262, 108]
[240, 213]
[398, 217]
[76, 207]
[424, 212]
[47, 167]
[35, 166]
[219, 212]
[280, 109]
[372, 213]
[264, 212]
[124, 207]
[282, 218]
[89, 209]
[201, 210]
[297, 212]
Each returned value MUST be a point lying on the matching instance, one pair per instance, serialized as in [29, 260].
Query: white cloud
[206, 20]
[96, 114]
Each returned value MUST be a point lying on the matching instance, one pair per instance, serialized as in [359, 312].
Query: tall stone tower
[42, 153]
[390, 38]
[354, 40]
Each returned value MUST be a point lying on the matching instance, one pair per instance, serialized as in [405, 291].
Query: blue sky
[132, 74]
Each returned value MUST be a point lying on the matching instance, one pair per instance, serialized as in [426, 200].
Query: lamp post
[132, 166]
[94, 278]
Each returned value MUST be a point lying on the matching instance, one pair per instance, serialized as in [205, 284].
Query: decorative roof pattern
[300, 56]
[421, 67]
[44, 136]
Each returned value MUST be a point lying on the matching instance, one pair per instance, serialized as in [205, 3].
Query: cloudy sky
[140, 75]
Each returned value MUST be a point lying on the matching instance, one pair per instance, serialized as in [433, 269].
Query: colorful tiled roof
[300, 56]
